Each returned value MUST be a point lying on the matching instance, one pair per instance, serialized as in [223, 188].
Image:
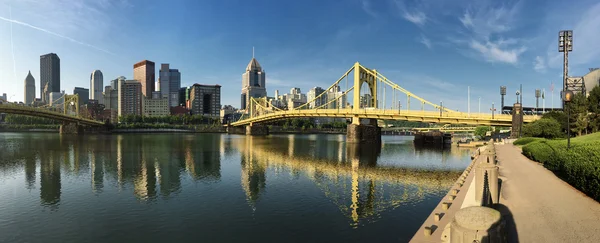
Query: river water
[218, 188]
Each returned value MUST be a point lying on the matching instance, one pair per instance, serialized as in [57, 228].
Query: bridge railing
[45, 111]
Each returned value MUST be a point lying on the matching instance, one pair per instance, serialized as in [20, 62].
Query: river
[218, 188]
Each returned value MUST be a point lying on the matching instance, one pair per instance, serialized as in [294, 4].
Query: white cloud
[466, 20]
[55, 34]
[426, 42]
[493, 53]
[418, 18]
[539, 64]
[366, 6]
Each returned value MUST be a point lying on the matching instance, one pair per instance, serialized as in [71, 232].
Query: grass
[578, 166]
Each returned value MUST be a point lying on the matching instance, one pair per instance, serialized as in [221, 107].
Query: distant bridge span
[44, 113]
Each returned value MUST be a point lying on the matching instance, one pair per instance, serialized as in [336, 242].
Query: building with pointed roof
[253, 83]
[29, 96]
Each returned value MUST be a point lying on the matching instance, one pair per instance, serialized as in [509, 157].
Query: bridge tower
[363, 130]
[71, 107]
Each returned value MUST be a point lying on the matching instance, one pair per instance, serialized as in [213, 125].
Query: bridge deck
[39, 112]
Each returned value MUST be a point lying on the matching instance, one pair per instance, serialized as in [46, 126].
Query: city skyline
[490, 44]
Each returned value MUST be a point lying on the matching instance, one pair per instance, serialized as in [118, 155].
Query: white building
[29, 89]
[96, 86]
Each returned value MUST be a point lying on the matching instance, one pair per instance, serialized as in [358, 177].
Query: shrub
[526, 140]
[543, 128]
[578, 166]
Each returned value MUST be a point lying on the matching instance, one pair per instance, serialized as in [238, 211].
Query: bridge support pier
[71, 128]
[257, 130]
[365, 131]
[235, 130]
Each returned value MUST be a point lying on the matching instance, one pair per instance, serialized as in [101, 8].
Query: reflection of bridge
[260, 110]
[70, 114]
[352, 181]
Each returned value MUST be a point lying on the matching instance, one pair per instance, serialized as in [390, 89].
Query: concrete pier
[257, 130]
[365, 131]
[71, 128]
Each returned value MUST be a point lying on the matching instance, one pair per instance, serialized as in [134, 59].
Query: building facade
[83, 94]
[96, 86]
[49, 75]
[253, 83]
[340, 100]
[130, 98]
[155, 106]
[205, 100]
[144, 73]
[169, 83]
[29, 89]
[56, 99]
[312, 94]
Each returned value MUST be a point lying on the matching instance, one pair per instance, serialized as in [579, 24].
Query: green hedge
[523, 141]
[578, 166]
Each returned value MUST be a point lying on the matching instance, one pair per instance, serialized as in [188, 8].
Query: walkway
[544, 208]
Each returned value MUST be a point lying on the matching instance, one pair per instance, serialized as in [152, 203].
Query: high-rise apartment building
[312, 94]
[130, 98]
[205, 100]
[144, 73]
[155, 106]
[253, 83]
[83, 94]
[169, 83]
[29, 89]
[49, 75]
[96, 86]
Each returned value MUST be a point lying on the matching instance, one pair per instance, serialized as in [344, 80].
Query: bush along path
[578, 166]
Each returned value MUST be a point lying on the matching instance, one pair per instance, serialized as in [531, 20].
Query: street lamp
[568, 98]
[479, 110]
[492, 109]
[565, 45]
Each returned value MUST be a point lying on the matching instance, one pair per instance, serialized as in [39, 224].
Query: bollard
[492, 173]
[446, 205]
[454, 191]
[477, 224]
[451, 198]
[427, 231]
[437, 217]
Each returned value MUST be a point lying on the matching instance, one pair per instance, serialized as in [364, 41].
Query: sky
[435, 49]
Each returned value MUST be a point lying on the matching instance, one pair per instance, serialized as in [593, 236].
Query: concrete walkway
[544, 208]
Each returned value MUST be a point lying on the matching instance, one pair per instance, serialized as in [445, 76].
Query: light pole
[565, 45]
[502, 94]
[479, 110]
[441, 107]
[492, 109]
[568, 98]
[468, 101]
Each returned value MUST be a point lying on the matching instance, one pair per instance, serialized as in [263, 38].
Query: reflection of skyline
[348, 174]
[146, 167]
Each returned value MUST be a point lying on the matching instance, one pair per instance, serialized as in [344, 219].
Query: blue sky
[434, 49]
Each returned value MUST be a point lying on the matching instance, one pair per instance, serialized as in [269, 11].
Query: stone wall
[70, 128]
[257, 130]
[363, 134]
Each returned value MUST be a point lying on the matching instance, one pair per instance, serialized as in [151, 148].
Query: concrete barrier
[475, 224]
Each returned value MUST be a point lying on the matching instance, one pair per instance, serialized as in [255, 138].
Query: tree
[578, 109]
[558, 116]
[481, 131]
[543, 128]
[594, 109]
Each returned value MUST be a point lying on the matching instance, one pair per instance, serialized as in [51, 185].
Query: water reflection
[347, 174]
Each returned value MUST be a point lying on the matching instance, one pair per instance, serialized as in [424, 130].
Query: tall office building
[83, 93]
[205, 100]
[49, 75]
[29, 89]
[313, 93]
[144, 73]
[130, 97]
[169, 83]
[96, 86]
[253, 83]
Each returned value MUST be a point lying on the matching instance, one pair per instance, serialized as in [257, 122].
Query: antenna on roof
[253, 52]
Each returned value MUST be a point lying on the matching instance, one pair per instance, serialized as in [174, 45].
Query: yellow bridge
[69, 114]
[260, 110]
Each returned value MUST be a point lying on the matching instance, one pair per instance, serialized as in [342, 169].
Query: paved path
[544, 208]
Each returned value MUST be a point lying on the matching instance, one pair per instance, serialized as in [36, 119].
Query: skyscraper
[169, 83]
[96, 86]
[144, 73]
[49, 75]
[253, 83]
[130, 97]
[83, 93]
[29, 89]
